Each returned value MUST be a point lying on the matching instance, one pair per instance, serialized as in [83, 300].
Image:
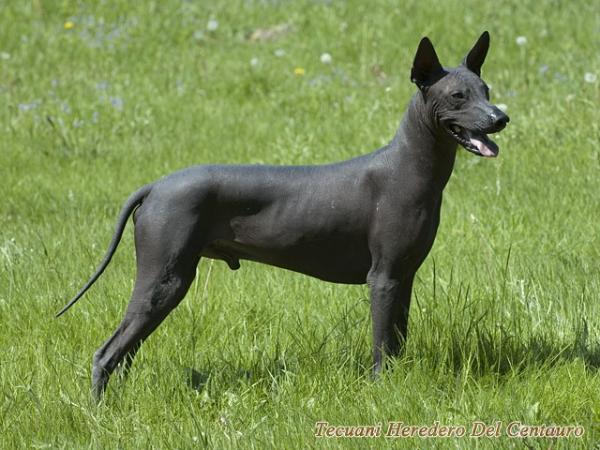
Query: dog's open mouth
[474, 141]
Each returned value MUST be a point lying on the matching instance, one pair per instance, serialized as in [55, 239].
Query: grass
[505, 317]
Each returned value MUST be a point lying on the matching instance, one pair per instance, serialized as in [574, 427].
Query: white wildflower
[212, 25]
[326, 58]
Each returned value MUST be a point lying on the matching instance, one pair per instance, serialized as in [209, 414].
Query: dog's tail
[130, 205]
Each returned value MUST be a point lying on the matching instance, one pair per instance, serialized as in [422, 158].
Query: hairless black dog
[371, 219]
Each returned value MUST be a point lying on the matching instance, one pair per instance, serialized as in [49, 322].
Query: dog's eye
[458, 95]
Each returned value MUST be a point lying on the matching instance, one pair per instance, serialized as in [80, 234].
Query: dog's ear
[426, 67]
[474, 60]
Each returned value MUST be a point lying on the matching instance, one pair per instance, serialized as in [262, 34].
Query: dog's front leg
[390, 302]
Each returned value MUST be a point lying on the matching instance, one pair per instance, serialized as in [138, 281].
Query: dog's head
[458, 98]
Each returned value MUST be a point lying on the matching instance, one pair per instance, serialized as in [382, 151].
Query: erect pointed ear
[474, 60]
[426, 66]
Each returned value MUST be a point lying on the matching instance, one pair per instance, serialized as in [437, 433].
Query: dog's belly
[329, 245]
[333, 259]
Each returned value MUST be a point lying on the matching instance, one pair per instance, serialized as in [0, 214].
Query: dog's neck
[423, 151]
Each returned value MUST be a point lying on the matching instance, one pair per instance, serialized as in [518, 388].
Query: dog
[371, 219]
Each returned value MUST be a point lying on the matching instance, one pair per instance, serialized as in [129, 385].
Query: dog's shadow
[195, 379]
[488, 356]
[198, 379]
[512, 354]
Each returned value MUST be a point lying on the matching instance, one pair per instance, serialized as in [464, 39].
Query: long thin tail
[132, 202]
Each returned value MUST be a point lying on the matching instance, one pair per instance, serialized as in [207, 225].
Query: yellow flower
[68, 25]
[299, 71]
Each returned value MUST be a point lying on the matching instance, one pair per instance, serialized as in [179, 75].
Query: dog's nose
[500, 120]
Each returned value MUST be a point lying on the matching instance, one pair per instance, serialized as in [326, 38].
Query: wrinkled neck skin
[423, 151]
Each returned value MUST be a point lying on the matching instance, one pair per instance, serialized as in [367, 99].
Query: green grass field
[99, 98]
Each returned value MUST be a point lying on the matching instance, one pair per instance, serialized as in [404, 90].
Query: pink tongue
[483, 149]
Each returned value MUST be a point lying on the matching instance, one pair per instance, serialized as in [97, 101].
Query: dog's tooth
[456, 128]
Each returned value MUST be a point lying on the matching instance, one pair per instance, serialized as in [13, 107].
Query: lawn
[99, 98]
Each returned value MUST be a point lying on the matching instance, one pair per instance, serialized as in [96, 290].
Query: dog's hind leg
[148, 307]
[165, 271]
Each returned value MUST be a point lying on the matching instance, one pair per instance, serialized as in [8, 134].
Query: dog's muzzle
[477, 141]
